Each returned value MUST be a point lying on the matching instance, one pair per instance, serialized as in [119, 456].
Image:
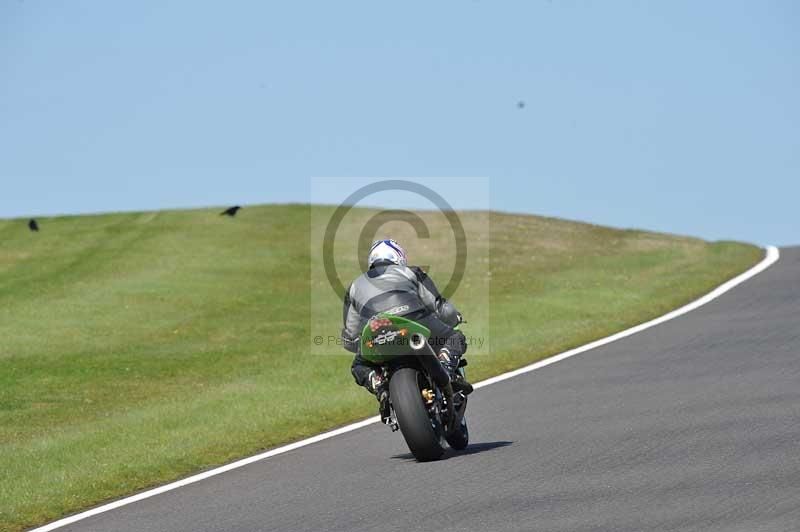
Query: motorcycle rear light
[378, 323]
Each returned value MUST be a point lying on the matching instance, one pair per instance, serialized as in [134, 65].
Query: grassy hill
[139, 347]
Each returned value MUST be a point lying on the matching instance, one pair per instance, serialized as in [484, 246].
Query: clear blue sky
[673, 116]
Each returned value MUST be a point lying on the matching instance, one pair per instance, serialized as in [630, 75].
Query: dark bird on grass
[230, 211]
[32, 225]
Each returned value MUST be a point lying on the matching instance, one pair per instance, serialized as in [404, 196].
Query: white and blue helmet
[387, 250]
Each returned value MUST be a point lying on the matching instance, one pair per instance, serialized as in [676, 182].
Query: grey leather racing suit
[404, 291]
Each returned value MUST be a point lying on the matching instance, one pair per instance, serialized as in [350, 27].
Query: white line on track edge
[772, 256]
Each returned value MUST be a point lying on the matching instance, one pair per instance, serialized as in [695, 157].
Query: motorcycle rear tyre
[412, 416]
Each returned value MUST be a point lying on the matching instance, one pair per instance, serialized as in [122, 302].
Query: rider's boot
[459, 383]
[377, 385]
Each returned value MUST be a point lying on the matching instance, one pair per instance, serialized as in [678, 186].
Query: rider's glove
[349, 342]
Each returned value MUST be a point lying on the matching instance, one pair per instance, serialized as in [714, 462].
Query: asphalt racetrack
[691, 425]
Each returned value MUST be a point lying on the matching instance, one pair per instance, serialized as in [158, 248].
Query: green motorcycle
[421, 401]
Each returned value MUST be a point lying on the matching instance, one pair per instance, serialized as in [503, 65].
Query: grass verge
[138, 348]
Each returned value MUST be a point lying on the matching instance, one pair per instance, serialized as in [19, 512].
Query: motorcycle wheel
[412, 416]
[459, 439]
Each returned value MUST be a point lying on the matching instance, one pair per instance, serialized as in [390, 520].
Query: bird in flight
[230, 211]
[520, 104]
[32, 225]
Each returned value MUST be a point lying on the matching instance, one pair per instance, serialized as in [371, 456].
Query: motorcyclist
[390, 285]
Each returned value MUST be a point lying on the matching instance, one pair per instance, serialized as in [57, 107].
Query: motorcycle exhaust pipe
[430, 361]
[418, 341]
[440, 376]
